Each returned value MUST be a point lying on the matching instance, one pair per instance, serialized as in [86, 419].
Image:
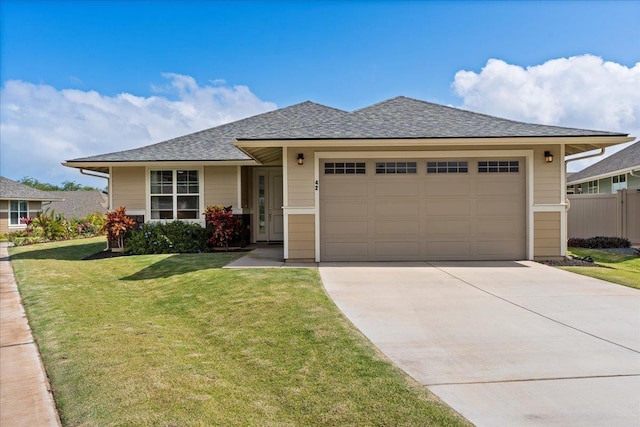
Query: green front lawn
[623, 269]
[174, 340]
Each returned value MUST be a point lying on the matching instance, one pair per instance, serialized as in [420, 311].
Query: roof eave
[622, 171]
[577, 144]
[103, 166]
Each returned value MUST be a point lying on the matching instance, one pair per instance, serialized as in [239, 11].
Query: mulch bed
[108, 254]
[570, 262]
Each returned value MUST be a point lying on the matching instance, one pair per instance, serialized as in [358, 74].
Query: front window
[175, 194]
[592, 187]
[18, 209]
[618, 182]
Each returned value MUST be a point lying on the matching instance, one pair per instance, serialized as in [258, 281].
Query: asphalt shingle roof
[15, 191]
[399, 117]
[217, 143]
[79, 204]
[627, 158]
[403, 117]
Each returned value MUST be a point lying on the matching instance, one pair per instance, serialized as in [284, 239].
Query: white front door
[269, 223]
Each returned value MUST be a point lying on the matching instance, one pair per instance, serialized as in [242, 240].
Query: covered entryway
[422, 209]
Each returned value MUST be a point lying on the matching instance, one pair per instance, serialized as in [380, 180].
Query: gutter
[83, 172]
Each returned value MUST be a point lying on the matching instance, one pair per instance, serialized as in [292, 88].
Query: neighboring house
[399, 180]
[619, 171]
[18, 201]
[79, 204]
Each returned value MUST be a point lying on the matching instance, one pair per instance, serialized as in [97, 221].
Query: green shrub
[166, 238]
[24, 237]
[599, 242]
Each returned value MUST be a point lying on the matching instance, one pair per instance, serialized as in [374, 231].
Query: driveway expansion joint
[532, 380]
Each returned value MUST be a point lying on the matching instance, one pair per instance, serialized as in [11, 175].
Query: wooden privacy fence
[611, 215]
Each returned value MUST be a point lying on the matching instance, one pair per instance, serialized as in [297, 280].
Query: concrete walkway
[25, 399]
[267, 257]
[503, 343]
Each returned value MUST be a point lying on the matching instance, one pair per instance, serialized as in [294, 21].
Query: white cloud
[42, 126]
[581, 91]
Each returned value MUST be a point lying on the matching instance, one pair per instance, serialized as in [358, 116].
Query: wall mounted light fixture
[548, 157]
[300, 159]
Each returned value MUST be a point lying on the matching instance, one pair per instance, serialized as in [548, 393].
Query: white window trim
[19, 225]
[174, 169]
[615, 186]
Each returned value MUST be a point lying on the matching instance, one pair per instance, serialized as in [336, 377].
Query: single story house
[79, 204]
[19, 201]
[402, 179]
[619, 171]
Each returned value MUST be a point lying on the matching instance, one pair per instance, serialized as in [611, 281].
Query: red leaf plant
[225, 226]
[116, 225]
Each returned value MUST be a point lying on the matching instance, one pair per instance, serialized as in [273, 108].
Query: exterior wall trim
[285, 201]
[563, 196]
[527, 154]
[238, 209]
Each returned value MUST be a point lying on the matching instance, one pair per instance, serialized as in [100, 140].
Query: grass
[174, 340]
[622, 269]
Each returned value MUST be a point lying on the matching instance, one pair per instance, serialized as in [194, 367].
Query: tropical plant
[226, 227]
[50, 226]
[116, 225]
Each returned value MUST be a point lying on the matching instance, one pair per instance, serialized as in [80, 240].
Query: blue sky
[343, 54]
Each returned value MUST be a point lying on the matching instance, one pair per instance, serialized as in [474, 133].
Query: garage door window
[499, 166]
[345, 168]
[447, 167]
[396, 167]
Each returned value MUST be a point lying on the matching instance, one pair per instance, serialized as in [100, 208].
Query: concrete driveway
[503, 343]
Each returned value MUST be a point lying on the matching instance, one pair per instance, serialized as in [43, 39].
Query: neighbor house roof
[79, 204]
[11, 190]
[403, 117]
[397, 118]
[216, 143]
[625, 160]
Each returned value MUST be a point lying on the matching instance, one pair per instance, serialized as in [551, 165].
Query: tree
[66, 185]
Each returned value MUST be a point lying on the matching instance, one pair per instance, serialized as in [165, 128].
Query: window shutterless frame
[174, 194]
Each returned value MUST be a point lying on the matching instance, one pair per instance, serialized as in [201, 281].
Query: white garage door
[425, 209]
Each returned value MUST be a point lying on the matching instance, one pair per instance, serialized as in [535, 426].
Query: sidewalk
[25, 399]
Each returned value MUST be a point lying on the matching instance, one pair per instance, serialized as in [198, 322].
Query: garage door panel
[460, 187]
[397, 188]
[448, 207]
[396, 228]
[409, 250]
[345, 189]
[500, 207]
[448, 249]
[500, 249]
[500, 227]
[346, 250]
[346, 209]
[402, 208]
[346, 228]
[448, 227]
[500, 188]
